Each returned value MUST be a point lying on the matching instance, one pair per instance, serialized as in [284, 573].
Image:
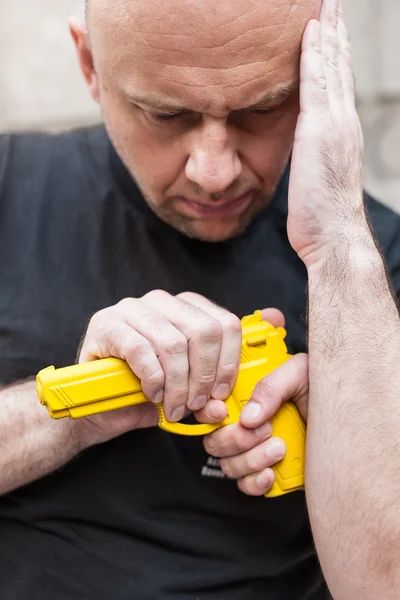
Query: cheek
[156, 163]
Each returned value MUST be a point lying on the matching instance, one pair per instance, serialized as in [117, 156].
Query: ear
[81, 40]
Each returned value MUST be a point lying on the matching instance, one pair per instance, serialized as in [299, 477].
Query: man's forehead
[188, 48]
[210, 19]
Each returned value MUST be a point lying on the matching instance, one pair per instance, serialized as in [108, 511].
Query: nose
[213, 163]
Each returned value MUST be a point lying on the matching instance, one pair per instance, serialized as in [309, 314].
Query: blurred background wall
[41, 86]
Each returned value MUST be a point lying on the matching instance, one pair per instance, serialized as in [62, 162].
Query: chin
[209, 230]
[212, 232]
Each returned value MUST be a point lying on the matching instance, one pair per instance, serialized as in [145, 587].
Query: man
[201, 104]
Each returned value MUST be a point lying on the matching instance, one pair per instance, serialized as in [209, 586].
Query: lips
[219, 208]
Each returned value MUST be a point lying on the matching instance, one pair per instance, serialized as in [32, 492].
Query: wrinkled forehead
[229, 48]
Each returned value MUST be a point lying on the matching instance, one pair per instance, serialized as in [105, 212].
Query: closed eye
[166, 116]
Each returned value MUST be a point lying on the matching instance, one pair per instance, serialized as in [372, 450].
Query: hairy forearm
[353, 453]
[32, 444]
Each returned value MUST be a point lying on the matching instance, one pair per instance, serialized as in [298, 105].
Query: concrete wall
[41, 86]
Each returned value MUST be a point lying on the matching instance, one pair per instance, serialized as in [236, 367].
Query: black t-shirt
[147, 515]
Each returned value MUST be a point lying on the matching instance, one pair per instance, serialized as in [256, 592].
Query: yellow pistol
[109, 384]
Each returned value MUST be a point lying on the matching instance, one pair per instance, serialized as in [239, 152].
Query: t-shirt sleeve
[385, 224]
[393, 261]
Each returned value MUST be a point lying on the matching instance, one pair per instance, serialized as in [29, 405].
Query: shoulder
[33, 160]
[45, 172]
[384, 220]
[386, 226]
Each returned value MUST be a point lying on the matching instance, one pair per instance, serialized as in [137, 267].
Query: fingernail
[263, 480]
[276, 448]
[177, 414]
[199, 402]
[251, 411]
[264, 430]
[221, 392]
[159, 397]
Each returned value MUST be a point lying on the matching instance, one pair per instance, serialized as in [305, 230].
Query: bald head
[211, 81]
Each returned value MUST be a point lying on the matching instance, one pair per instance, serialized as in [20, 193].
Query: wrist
[81, 434]
[351, 248]
[351, 275]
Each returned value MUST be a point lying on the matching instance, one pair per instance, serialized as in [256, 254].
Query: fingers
[107, 336]
[235, 439]
[229, 356]
[346, 60]
[204, 335]
[184, 352]
[326, 64]
[246, 449]
[273, 316]
[214, 411]
[330, 46]
[314, 98]
[288, 382]
[169, 344]
[247, 455]
[255, 460]
[257, 484]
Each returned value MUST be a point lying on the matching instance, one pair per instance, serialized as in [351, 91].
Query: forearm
[32, 444]
[353, 454]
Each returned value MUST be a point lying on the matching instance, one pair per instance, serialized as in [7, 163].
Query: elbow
[372, 572]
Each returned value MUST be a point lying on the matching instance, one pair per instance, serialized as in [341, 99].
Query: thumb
[273, 316]
[288, 382]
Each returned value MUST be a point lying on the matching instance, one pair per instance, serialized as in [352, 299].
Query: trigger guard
[181, 428]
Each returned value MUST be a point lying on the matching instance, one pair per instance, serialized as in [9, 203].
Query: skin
[214, 100]
[210, 62]
[352, 407]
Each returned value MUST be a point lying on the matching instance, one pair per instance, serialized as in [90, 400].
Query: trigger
[182, 428]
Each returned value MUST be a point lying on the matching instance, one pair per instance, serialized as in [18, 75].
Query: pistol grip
[289, 472]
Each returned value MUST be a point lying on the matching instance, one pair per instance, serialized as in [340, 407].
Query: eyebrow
[277, 95]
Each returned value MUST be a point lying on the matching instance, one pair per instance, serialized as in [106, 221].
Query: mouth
[217, 209]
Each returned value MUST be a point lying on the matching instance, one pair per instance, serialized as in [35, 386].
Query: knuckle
[255, 460]
[319, 98]
[156, 295]
[156, 322]
[100, 318]
[229, 371]
[213, 329]
[209, 445]
[231, 322]
[212, 444]
[265, 388]
[126, 304]
[89, 348]
[246, 487]
[155, 379]
[137, 350]
[172, 346]
[205, 379]
[113, 338]
[208, 329]
[190, 296]
[226, 467]
[240, 442]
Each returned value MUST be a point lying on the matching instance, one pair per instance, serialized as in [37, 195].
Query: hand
[246, 449]
[326, 185]
[184, 349]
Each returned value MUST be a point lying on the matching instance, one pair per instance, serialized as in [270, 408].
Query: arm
[32, 444]
[353, 440]
[353, 484]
